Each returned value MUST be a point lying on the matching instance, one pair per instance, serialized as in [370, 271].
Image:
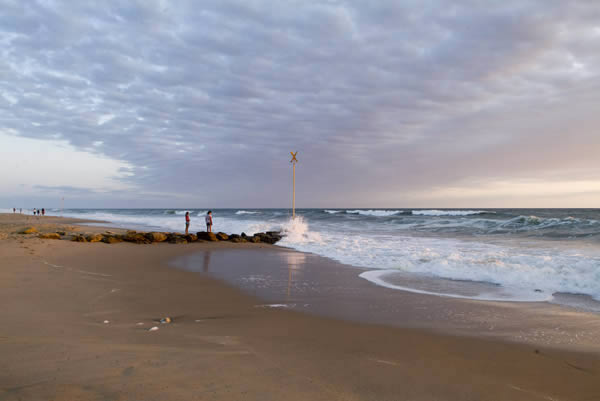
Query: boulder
[206, 236]
[255, 238]
[112, 239]
[61, 233]
[78, 238]
[191, 238]
[29, 230]
[136, 238]
[222, 236]
[49, 236]
[270, 237]
[238, 239]
[94, 237]
[177, 240]
[156, 236]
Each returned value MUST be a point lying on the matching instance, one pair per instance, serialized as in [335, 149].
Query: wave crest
[449, 212]
[376, 213]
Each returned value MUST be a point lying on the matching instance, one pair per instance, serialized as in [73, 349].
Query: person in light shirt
[209, 221]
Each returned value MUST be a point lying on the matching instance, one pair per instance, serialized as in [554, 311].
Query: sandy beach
[77, 319]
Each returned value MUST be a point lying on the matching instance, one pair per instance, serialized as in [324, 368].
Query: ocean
[525, 255]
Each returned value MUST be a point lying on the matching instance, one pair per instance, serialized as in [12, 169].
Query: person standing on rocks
[187, 222]
[209, 221]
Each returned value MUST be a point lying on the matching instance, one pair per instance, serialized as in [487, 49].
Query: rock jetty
[137, 237]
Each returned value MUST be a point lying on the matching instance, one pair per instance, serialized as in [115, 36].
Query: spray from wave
[296, 231]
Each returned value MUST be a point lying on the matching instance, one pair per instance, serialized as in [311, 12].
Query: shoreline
[537, 323]
[224, 344]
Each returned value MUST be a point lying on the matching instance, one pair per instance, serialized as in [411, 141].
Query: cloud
[206, 99]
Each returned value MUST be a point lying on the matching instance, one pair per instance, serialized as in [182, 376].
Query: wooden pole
[294, 193]
[294, 161]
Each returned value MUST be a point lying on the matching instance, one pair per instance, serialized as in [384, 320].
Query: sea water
[489, 254]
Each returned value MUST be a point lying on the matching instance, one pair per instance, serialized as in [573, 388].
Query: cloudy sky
[393, 103]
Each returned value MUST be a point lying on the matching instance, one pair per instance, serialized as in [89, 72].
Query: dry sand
[57, 295]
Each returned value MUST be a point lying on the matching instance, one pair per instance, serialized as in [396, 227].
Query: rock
[238, 239]
[49, 236]
[111, 239]
[222, 236]
[206, 236]
[177, 240]
[3, 236]
[191, 238]
[29, 230]
[255, 239]
[270, 237]
[243, 235]
[156, 236]
[131, 232]
[78, 238]
[94, 237]
[61, 233]
[136, 238]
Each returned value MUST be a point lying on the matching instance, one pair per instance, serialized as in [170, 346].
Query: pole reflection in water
[295, 261]
[206, 262]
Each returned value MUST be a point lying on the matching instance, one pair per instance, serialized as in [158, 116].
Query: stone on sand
[94, 237]
[49, 236]
[156, 236]
[29, 230]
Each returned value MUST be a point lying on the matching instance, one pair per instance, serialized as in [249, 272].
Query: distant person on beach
[34, 211]
[187, 222]
[43, 212]
[21, 210]
[14, 210]
[209, 221]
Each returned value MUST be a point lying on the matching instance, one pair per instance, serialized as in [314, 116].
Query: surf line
[76, 270]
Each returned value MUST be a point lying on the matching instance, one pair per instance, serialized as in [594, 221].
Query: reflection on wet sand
[295, 261]
[206, 262]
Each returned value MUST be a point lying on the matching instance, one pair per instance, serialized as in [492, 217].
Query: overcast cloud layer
[389, 103]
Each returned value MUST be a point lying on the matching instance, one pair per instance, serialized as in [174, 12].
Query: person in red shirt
[187, 222]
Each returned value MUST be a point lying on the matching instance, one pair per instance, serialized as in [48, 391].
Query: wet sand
[222, 345]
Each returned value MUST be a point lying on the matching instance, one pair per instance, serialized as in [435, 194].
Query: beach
[77, 320]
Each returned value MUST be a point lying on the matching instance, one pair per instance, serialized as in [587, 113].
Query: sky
[427, 103]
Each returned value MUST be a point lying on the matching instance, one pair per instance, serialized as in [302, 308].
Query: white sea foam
[523, 269]
[296, 232]
[376, 213]
[378, 277]
[448, 212]
[245, 212]
[332, 211]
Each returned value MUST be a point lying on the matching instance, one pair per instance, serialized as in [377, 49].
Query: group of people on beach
[36, 212]
[207, 219]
